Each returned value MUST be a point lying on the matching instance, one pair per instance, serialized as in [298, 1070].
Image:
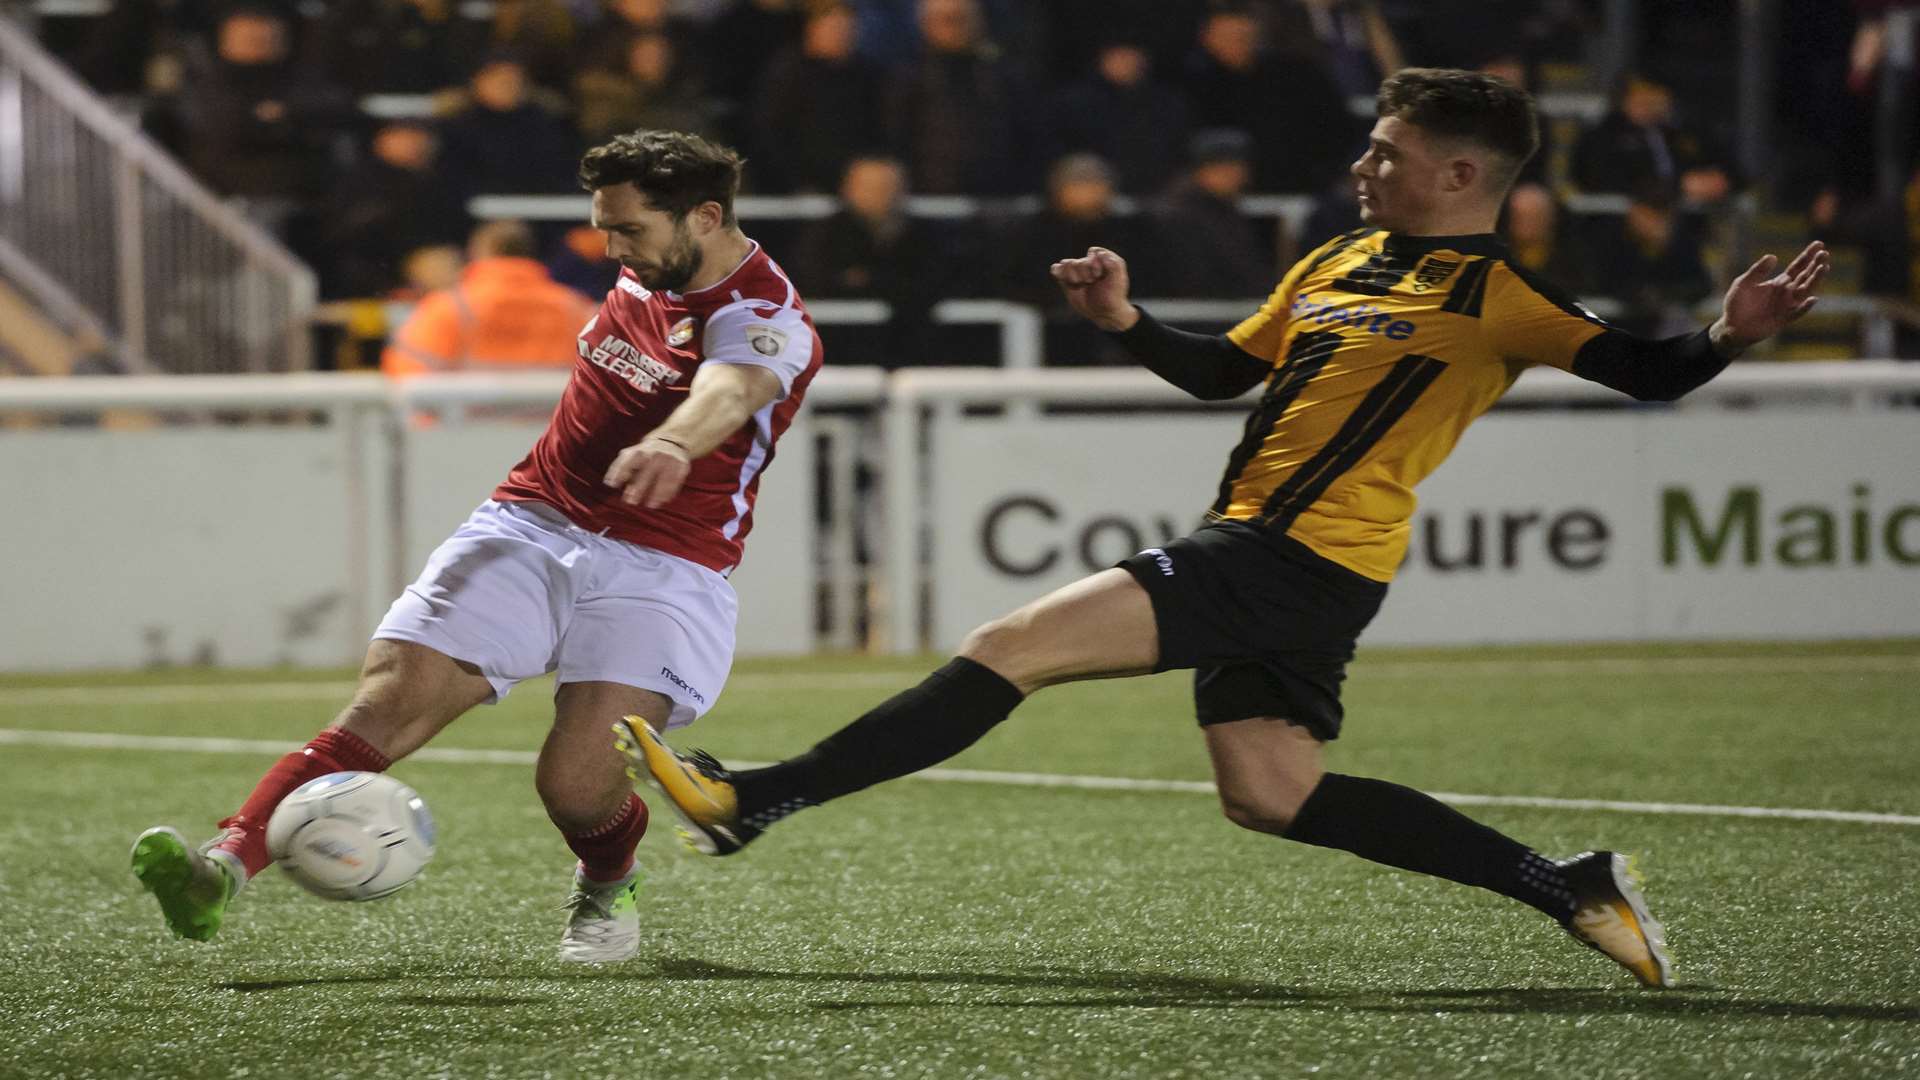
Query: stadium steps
[33, 343]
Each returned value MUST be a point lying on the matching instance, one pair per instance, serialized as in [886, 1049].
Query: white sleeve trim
[781, 342]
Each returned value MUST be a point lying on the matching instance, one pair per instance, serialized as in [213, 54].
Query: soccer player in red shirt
[603, 556]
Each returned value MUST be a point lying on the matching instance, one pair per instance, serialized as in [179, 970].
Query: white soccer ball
[352, 835]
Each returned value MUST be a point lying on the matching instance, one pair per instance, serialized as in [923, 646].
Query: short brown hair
[1486, 110]
[675, 170]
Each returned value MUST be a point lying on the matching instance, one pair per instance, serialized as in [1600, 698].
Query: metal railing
[110, 234]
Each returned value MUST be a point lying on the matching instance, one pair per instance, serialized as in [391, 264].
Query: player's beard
[676, 268]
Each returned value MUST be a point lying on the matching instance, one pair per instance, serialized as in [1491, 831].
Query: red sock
[331, 751]
[606, 853]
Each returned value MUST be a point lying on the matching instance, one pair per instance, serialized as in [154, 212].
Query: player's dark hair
[1484, 109]
[675, 171]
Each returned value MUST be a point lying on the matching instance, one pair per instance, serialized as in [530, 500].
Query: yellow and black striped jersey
[1383, 349]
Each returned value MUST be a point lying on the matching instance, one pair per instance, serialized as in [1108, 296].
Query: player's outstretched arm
[1759, 304]
[1210, 367]
[722, 397]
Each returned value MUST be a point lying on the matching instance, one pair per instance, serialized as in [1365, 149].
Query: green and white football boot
[192, 885]
[604, 926]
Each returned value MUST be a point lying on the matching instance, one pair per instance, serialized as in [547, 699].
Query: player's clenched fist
[1096, 286]
[649, 472]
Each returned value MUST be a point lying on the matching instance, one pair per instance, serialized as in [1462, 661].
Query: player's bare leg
[407, 694]
[583, 783]
[1098, 627]
[1271, 779]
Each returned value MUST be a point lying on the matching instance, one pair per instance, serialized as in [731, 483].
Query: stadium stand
[360, 131]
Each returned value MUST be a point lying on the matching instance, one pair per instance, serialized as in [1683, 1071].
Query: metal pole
[1753, 110]
[1759, 27]
[129, 230]
[1614, 53]
[898, 609]
[13, 136]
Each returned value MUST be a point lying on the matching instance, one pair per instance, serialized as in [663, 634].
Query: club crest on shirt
[766, 340]
[681, 333]
[1433, 271]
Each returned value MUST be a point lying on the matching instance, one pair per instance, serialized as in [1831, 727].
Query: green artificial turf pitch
[948, 929]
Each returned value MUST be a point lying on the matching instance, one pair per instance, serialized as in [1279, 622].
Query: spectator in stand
[132, 34]
[1353, 36]
[1303, 135]
[391, 203]
[1079, 214]
[1650, 261]
[504, 142]
[819, 107]
[580, 262]
[1465, 33]
[541, 32]
[626, 20]
[959, 117]
[1123, 115]
[871, 249]
[652, 89]
[427, 270]
[1075, 30]
[1203, 244]
[1515, 69]
[1638, 146]
[504, 314]
[892, 31]
[253, 125]
[393, 46]
[1336, 209]
[739, 48]
[1538, 238]
[1887, 232]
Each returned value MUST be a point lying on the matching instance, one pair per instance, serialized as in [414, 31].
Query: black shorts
[1267, 625]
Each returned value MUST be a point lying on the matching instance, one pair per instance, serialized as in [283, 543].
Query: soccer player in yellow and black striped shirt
[1376, 351]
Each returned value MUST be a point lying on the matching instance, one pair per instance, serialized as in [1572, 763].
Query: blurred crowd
[361, 130]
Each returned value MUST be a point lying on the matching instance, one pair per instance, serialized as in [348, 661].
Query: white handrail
[306, 390]
[1743, 384]
[832, 386]
[810, 207]
[322, 391]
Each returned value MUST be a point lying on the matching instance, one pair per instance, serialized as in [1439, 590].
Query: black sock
[1402, 827]
[908, 732]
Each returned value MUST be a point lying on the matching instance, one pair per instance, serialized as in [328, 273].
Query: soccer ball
[351, 835]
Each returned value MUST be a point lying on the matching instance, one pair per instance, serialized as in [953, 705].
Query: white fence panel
[1797, 518]
[234, 547]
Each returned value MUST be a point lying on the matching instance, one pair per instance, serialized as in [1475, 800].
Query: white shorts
[519, 591]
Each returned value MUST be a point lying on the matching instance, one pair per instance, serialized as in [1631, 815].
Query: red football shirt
[637, 358]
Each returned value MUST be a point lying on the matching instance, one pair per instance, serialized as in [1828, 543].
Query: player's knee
[1258, 815]
[572, 806]
[1268, 810]
[994, 641]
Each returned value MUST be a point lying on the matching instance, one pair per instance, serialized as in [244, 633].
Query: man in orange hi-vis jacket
[504, 314]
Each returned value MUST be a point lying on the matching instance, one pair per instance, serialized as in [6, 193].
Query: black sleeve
[1649, 370]
[1208, 366]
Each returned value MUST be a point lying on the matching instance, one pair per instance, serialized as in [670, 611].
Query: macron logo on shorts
[667, 674]
[1162, 560]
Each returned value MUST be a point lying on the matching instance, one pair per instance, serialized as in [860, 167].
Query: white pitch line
[84, 740]
[211, 693]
